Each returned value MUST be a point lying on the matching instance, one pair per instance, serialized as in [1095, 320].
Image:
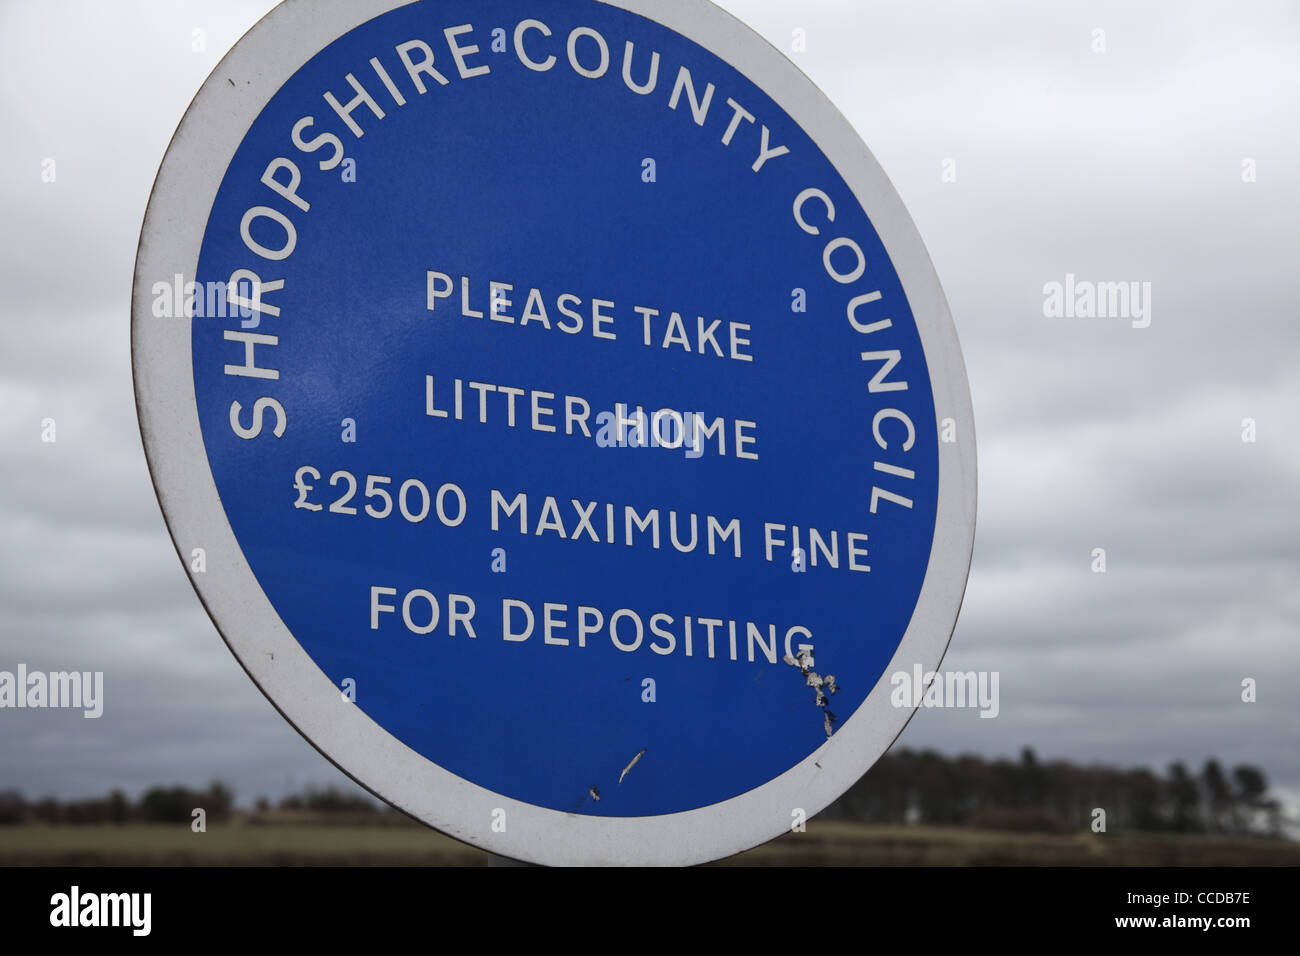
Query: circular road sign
[558, 415]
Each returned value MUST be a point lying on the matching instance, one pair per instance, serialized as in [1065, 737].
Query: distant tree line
[907, 786]
[904, 786]
[175, 804]
[157, 805]
[328, 800]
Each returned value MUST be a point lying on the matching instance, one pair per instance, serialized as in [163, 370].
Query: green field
[824, 844]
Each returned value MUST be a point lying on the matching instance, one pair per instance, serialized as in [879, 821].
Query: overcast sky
[1123, 165]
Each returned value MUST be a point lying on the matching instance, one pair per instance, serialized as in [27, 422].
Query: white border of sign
[183, 194]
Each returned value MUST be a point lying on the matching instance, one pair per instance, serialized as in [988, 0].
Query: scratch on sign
[630, 765]
[804, 661]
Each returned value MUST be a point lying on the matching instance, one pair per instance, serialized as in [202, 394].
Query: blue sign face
[574, 419]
